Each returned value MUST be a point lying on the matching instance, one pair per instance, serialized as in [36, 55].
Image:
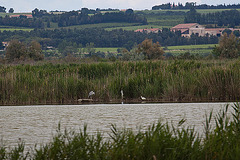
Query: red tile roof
[184, 26]
[27, 15]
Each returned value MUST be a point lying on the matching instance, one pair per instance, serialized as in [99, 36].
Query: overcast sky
[68, 5]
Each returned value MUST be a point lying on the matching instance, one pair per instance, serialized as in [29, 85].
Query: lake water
[38, 124]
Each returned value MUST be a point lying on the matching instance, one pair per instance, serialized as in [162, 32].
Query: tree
[35, 12]
[35, 51]
[16, 50]
[229, 47]
[150, 50]
[2, 9]
[129, 11]
[11, 10]
[192, 16]
[228, 31]
[85, 11]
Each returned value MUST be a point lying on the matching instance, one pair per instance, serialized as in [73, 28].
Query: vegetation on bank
[192, 50]
[159, 141]
[159, 80]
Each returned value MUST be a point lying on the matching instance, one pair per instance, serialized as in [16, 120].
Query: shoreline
[118, 101]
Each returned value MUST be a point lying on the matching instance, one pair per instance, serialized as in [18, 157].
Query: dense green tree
[39, 13]
[192, 16]
[150, 50]
[2, 9]
[236, 33]
[76, 18]
[102, 38]
[16, 50]
[129, 11]
[35, 51]
[190, 4]
[1, 45]
[228, 47]
[230, 18]
[228, 31]
[90, 48]
[11, 10]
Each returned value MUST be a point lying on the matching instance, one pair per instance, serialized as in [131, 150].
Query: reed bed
[172, 80]
[159, 141]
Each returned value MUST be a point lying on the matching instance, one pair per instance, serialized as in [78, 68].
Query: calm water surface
[37, 124]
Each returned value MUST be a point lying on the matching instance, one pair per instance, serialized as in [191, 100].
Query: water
[38, 124]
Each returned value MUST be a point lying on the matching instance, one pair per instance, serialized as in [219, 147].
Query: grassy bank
[159, 141]
[201, 50]
[172, 80]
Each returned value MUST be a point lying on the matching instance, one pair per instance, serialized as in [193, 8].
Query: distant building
[152, 30]
[5, 44]
[218, 31]
[188, 29]
[18, 15]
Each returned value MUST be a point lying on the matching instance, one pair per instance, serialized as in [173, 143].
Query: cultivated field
[192, 49]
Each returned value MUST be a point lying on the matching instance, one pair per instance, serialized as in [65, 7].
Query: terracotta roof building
[188, 29]
[17, 15]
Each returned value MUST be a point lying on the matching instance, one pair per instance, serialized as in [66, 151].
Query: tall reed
[172, 80]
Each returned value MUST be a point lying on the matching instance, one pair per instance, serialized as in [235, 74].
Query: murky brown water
[37, 124]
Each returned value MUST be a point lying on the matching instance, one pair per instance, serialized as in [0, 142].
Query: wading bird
[91, 94]
[143, 98]
[122, 93]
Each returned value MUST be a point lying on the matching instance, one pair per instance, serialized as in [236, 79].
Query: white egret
[143, 98]
[122, 93]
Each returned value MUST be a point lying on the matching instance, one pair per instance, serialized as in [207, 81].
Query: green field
[212, 10]
[204, 46]
[155, 21]
[4, 14]
[106, 50]
[165, 21]
[16, 29]
[103, 25]
[11, 28]
[129, 28]
[175, 50]
[183, 10]
[192, 49]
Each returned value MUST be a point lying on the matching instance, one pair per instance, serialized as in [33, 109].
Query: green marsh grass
[162, 80]
[159, 141]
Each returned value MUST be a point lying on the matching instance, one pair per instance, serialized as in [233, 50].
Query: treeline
[76, 18]
[229, 18]
[189, 5]
[103, 38]
[43, 19]
[21, 21]
[2, 9]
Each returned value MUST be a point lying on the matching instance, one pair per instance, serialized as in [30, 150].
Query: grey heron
[91, 94]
